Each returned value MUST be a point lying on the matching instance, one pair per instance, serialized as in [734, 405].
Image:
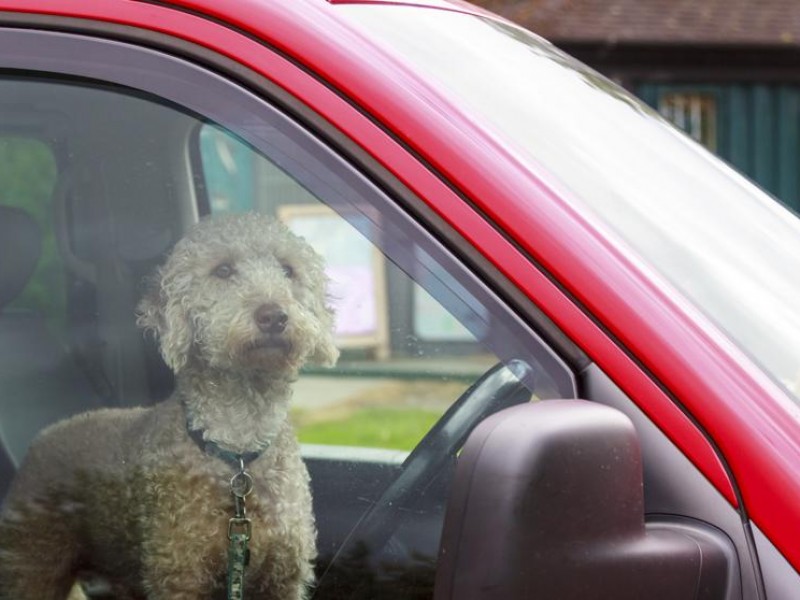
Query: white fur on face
[201, 313]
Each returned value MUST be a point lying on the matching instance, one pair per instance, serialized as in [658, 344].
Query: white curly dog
[143, 496]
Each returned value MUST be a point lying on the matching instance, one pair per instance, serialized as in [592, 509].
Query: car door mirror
[548, 503]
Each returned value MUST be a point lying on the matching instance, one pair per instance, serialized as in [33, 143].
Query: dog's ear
[166, 319]
[325, 353]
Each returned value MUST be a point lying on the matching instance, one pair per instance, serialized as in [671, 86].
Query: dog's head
[241, 293]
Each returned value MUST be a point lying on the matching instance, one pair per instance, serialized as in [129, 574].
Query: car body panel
[625, 318]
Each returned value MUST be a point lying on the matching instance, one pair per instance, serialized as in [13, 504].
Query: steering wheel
[500, 387]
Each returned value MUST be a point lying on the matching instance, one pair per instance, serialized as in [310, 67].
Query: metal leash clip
[239, 533]
[241, 486]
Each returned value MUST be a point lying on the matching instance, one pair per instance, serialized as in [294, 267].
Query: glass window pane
[405, 357]
[415, 337]
[228, 236]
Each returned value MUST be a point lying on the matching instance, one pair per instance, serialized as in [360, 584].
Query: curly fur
[126, 493]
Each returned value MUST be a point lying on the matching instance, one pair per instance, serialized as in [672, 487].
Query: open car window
[210, 281]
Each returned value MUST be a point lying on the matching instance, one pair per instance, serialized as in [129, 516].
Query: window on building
[695, 113]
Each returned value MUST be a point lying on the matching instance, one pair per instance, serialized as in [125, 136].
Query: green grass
[391, 428]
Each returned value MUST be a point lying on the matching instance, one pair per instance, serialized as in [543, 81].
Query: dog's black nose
[270, 318]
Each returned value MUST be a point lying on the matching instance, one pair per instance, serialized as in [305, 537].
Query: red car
[503, 226]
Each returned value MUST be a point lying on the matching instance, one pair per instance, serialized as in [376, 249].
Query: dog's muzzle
[270, 319]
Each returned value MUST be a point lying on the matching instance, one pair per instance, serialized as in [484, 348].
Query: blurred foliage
[27, 178]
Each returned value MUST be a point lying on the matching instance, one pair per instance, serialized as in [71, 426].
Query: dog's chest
[188, 513]
[177, 492]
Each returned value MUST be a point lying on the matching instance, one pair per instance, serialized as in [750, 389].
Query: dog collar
[240, 527]
[235, 459]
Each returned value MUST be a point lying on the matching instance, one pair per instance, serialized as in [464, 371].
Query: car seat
[40, 383]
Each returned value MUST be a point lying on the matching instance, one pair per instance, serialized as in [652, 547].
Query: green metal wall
[758, 131]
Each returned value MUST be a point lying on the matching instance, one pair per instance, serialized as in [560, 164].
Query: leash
[239, 526]
[239, 533]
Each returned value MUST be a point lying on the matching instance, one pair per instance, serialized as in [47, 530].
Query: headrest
[20, 246]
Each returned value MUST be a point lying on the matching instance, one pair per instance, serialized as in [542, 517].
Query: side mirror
[547, 503]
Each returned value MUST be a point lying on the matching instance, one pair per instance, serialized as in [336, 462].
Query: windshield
[725, 244]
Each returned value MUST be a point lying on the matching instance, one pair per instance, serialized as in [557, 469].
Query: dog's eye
[223, 271]
[288, 270]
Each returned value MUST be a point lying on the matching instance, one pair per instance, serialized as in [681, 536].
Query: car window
[405, 357]
[221, 279]
[408, 354]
